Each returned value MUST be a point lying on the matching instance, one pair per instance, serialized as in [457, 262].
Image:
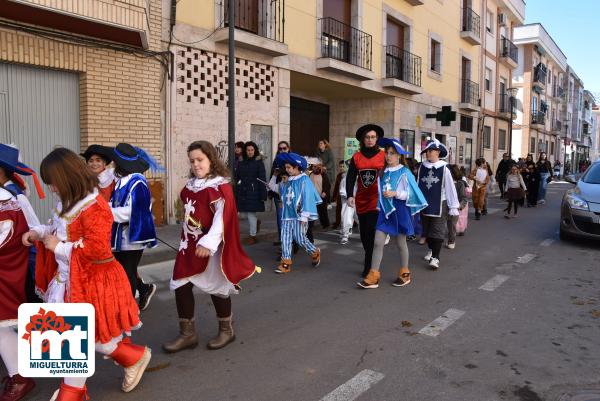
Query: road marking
[440, 324]
[354, 387]
[528, 257]
[547, 242]
[494, 282]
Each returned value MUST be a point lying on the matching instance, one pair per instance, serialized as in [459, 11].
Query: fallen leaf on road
[406, 323]
[595, 313]
[578, 302]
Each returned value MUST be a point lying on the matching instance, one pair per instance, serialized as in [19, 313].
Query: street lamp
[512, 92]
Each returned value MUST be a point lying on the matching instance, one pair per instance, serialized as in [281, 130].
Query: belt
[103, 261]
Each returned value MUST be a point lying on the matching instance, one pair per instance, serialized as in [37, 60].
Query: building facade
[74, 73]
[540, 96]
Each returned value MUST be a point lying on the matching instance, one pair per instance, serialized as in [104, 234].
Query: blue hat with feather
[293, 159]
[395, 142]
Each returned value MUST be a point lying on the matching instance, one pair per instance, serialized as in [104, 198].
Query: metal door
[39, 110]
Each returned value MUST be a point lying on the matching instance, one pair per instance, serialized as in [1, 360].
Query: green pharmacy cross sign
[446, 116]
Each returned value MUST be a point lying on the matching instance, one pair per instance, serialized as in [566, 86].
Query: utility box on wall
[158, 202]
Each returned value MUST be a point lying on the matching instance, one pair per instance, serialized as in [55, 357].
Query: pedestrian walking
[481, 178]
[250, 177]
[323, 187]
[210, 257]
[131, 205]
[532, 179]
[336, 197]
[399, 199]
[491, 188]
[463, 216]
[544, 168]
[435, 181]
[282, 147]
[363, 171]
[501, 171]
[300, 200]
[13, 272]
[516, 189]
[325, 153]
[78, 267]
[348, 217]
[98, 158]
[452, 221]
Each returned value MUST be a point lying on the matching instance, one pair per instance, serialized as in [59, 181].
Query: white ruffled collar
[295, 177]
[198, 184]
[395, 168]
[437, 164]
[106, 177]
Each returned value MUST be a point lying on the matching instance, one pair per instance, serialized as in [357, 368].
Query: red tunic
[13, 259]
[106, 192]
[235, 264]
[95, 276]
[366, 188]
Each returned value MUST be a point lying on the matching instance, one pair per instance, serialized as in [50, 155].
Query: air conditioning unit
[502, 19]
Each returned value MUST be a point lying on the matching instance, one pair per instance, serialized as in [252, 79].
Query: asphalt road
[530, 334]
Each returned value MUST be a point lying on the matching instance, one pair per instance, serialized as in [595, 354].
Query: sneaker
[434, 263]
[344, 240]
[146, 293]
[316, 258]
[450, 245]
[428, 256]
[403, 280]
[251, 240]
[371, 281]
[411, 237]
[506, 216]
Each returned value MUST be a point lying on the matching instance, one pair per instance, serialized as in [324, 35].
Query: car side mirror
[571, 179]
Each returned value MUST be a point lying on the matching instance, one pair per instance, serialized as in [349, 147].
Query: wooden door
[395, 34]
[246, 15]
[340, 10]
[309, 123]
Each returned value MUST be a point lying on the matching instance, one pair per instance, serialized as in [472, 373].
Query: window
[468, 152]
[549, 77]
[488, 80]
[487, 137]
[534, 104]
[435, 62]
[490, 22]
[501, 139]
[532, 146]
[551, 148]
[466, 123]
[407, 139]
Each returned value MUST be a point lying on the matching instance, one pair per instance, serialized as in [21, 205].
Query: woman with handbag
[515, 190]
[544, 167]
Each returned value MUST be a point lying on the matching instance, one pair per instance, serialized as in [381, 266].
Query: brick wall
[120, 98]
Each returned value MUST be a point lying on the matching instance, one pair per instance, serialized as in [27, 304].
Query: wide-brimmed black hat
[362, 131]
[104, 152]
[129, 158]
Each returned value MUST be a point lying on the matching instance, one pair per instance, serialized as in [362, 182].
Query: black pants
[130, 261]
[510, 204]
[502, 186]
[323, 215]
[367, 222]
[184, 298]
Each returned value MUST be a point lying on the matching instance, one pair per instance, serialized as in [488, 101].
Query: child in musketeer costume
[399, 199]
[75, 265]
[13, 270]
[300, 200]
[98, 157]
[210, 255]
[11, 171]
[436, 183]
[131, 203]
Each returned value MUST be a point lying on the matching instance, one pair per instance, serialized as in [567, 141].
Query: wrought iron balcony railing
[402, 65]
[504, 103]
[539, 74]
[471, 22]
[538, 117]
[345, 43]
[469, 92]
[264, 18]
[510, 50]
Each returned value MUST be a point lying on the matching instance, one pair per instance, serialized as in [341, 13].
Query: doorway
[309, 123]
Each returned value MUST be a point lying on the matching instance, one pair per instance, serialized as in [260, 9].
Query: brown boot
[371, 281]
[225, 336]
[251, 240]
[316, 258]
[285, 266]
[16, 387]
[187, 337]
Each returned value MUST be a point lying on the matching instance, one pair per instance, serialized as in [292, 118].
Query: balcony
[345, 50]
[538, 119]
[471, 26]
[402, 71]
[539, 77]
[509, 53]
[469, 95]
[259, 24]
[124, 21]
[504, 106]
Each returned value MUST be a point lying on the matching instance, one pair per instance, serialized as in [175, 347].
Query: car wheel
[563, 235]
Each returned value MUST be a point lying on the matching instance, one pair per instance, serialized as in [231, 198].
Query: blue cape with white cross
[299, 198]
[415, 200]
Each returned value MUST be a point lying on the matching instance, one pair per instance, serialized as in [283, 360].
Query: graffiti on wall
[222, 151]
